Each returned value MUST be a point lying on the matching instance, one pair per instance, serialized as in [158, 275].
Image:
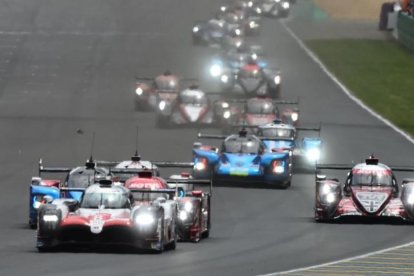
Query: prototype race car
[252, 80]
[149, 91]
[43, 190]
[210, 32]
[370, 192]
[192, 107]
[274, 8]
[194, 215]
[263, 110]
[110, 215]
[243, 158]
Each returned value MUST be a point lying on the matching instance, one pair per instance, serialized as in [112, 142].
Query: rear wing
[188, 181]
[211, 136]
[292, 102]
[43, 169]
[173, 164]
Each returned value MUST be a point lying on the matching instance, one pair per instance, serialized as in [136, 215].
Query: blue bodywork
[243, 167]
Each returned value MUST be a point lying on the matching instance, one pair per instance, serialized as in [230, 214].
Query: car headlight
[224, 78]
[188, 207]
[277, 79]
[199, 166]
[144, 219]
[278, 167]
[253, 24]
[162, 105]
[294, 116]
[226, 114]
[196, 29]
[285, 5]
[50, 218]
[139, 91]
[183, 215]
[410, 199]
[250, 4]
[313, 154]
[238, 44]
[330, 198]
[238, 32]
[224, 105]
[215, 70]
[258, 10]
[277, 1]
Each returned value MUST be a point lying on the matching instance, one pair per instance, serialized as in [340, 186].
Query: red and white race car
[370, 191]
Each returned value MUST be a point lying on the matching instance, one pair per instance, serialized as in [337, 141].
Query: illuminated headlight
[199, 166]
[50, 218]
[330, 197]
[254, 56]
[226, 114]
[325, 189]
[250, 4]
[277, 1]
[294, 116]
[215, 70]
[188, 206]
[225, 105]
[223, 8]
[36, 204]
[285, 5]
[144, 219]
[196, 29]
[279, 169]
[313, 154]
[252, 25]
[277, 79]
[238, 32]
[224, 78]
[221, 24]
[162, 105]
[410, 198]
[238, 44]
[183, 215]
[258, 10]
[139, 91]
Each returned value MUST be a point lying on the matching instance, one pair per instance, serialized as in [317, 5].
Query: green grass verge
[380, 73]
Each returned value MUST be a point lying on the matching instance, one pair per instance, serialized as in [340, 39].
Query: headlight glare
[277, 79]
[313, 154]
[162, 105]
[215, 70]
[144, 219]
[139, 91]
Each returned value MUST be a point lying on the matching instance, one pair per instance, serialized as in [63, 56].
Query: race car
[210, 32]
[192, 107]
[252, 80]
[242, 159]
[242, 18]
[370, 192]
[263, 110]
[233, 40]
[274, 8]
[306, 152]
[149, 91]
[42, 189]
[110, 214]
[229, 62]
[194, 215]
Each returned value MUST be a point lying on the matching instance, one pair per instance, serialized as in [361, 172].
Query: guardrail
[405, 27]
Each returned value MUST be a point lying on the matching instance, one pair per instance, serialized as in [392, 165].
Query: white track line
[340, 261]
[343, 87]
[369, 110]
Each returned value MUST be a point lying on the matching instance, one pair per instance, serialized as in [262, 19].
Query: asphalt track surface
[69, 65]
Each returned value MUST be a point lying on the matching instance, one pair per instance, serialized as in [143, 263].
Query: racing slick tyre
[162, 236]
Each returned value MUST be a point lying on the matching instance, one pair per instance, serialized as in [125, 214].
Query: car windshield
[166, 84]
[83, 178]
[247, 145]
[193, 97]
[250, 74]
[372, 178]
[277, 132]
[110, 200]
[148, 196]
[255, 106]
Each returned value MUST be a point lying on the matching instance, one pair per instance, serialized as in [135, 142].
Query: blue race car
[278, 136]
[243, 159]
[45, 190]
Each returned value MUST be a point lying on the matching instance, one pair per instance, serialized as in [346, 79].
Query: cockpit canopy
[249, 144]
[114, 197]
[192, 97]
[83, 177]
[371, 175]
[277, 132]
[259, 106]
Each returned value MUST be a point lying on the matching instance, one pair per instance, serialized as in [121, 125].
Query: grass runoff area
[380, 73]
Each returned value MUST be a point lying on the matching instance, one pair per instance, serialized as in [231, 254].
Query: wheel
[206, 234]
[44, 249]
[162, 238]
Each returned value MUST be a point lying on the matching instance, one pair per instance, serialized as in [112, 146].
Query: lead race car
[79, 178]
[110, 215]
[243, 158]
[192, 107]
[370, 192]
[274, 8]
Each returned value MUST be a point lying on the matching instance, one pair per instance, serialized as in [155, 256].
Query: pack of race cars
[129, 203]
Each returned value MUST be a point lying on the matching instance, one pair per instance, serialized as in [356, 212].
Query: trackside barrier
[405, 26]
